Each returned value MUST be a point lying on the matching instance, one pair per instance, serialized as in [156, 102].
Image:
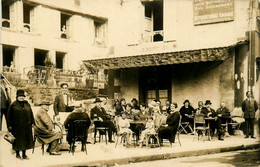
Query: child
[124, 125]
[149, 128]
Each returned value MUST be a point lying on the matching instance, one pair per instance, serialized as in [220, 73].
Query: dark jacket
[59, 104]
[99, 113]
[173, 120]
[5, 100]
[44, 128]
[223, 111]
[249, 108]
[207, 113]
[19, 121]
[75, 115]
[184, 111]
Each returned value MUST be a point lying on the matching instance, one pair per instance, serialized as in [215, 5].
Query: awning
[191, 56]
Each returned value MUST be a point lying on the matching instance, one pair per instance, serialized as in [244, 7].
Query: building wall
[179, 31]
[46, 32]
[204, 81]
[129, 84]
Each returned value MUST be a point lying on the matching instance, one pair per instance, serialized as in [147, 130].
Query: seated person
[167, 105]
[214, 124]
[77, 114]
[143, 113]
[135, 104]
[169, 130]
[149, 128]
[107, 107]
[124, 126]
[186, 112]
[118, 108]
[100, 114]
[44, 129]
[200, 108]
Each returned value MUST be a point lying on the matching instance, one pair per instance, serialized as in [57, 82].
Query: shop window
[64, 25]
[60, 59]
[28, 17]
[8, 57]
[99, 33]
[153, 20]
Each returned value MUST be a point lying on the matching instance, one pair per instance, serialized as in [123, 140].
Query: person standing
[61, 102]
[5, 101]
[249, 107]
[20, 121]
[44, 129]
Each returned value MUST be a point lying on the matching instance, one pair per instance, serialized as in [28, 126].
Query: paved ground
[100, 153]
[242, 158]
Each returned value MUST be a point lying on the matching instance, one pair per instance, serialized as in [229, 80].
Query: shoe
[111, 141]
[246, 137]
[55, 153]
[25, 157]
[253, 137]
[18, 157]
[220, 139]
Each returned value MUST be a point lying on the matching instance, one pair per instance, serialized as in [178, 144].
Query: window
[40, 57]
[5, 14]
[153, 20]
[28, 16]
[99, 33]
[60, 60]
[8, 58]
[64, 25]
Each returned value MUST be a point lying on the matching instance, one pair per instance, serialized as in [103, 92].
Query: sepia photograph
[130, 83]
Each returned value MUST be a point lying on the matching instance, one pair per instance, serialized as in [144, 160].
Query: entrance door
[155, 83]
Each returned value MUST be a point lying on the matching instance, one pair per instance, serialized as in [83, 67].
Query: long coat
[249, 108]
[99, 112]
[44, 128]
[169, 132]
[19, 120]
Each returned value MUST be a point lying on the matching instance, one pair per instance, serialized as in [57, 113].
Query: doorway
[155, 83]
[40, 57]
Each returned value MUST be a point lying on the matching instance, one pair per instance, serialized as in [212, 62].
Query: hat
[61, 85]
[186, 101]
[20, 92]
[97, 100]
[45, 102]
[207, 102]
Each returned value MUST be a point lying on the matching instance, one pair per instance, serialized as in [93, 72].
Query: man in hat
[249, 107]
[5, 101]
[61, 102]
[44, 129]
[77, 114]
[100, 114]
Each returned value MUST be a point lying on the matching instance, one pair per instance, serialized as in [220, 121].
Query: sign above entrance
[212, 11]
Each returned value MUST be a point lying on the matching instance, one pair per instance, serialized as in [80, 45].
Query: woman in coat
[169, 130]
[19, 121]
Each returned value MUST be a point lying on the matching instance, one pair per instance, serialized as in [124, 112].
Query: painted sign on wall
[212, 11]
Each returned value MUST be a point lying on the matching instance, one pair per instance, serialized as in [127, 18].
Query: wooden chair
[34, 141]
[79, 131]
[102, 131]
[119, 134]
[200, 126]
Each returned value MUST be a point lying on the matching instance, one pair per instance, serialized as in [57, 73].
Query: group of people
[155, 118]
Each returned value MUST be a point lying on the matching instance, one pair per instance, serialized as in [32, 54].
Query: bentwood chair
[79, 133]
[200, 127]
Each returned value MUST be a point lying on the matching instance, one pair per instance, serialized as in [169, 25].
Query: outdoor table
[226, 118]
[134, 123]
[210, 119]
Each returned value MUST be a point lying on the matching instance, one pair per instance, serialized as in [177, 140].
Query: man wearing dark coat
[249, 107]
[44, 129]
[19, 121]
[100, 114]
[5, 101]
[169, 130]
[77, 114]
[61, 101]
